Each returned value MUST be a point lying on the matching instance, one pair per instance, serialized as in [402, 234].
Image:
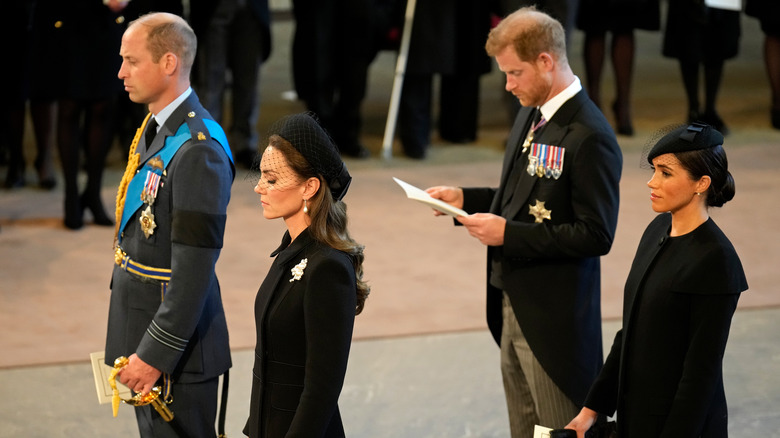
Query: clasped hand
[138, 375]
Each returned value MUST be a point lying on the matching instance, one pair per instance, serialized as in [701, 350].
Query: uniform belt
[129, 265]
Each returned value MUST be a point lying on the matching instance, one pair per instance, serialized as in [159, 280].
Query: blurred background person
[334, 43]
[86, 35]
[619, 18]
[447, 40]
[768, 14]
[234, 39]
[701, 38]
[32, 87]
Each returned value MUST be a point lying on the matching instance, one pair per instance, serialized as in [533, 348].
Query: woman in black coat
[620, 18]
[701, 38]
[664, 374]
[80, 39]
[306, 306]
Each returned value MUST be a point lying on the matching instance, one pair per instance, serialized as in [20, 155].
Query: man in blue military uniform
[166, 311]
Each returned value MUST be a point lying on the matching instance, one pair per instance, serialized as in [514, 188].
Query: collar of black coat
[289, 248]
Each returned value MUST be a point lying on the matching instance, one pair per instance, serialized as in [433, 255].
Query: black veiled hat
[693, 137]
[309, 138]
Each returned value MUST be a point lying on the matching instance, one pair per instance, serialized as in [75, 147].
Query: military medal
[149, 193]
[531, 169]
[530, 137]
[147, 221]
[154, 173]
[541, 160]
[558, 165]
[551, 159]
[539, 212]
[527, 142]
[545, 161]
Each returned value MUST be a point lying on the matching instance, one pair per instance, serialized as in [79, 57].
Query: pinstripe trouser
[531, 396]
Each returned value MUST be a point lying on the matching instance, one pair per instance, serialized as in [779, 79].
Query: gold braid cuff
[132, 164]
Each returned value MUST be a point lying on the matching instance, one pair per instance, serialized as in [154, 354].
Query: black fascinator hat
[308, 137]
[693, 137]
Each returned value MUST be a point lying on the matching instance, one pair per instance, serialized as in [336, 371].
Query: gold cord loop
[153, 397]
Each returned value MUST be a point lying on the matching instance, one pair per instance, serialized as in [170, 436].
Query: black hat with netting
[309, 138]
[683, 138]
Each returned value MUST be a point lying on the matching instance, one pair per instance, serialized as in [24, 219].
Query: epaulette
[197, 126]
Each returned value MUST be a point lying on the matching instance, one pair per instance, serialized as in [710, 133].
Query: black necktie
[151, 131]
[537, 118]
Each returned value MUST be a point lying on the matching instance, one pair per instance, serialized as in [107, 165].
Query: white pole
[398, 81]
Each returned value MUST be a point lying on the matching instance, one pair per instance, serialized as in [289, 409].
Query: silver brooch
[297, 271]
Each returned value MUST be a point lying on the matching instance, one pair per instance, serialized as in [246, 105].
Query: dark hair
[328, 216]
[712, 162]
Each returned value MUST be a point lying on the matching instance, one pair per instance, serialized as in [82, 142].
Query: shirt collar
[166, 112]
[550, 107]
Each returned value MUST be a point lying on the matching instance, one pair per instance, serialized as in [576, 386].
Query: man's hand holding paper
[448, 194]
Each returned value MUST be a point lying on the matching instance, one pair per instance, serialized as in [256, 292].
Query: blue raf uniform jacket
[179, 326]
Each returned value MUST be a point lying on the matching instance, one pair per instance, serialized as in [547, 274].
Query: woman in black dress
[701, 37]
[664, 374]
[619, 18]
[306, 307]
[83, 39]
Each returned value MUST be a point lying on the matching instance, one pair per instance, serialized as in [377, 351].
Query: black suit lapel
[513, 154]
[269, 285]
[277, 280]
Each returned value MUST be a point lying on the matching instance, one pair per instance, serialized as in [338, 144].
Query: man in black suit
[166, 313]
[334, 44]
[545, 227]
[232, 35]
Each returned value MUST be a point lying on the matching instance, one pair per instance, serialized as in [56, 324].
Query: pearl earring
[305, 206]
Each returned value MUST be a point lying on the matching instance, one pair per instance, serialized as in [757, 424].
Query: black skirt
[599, 16]
[696, 33]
